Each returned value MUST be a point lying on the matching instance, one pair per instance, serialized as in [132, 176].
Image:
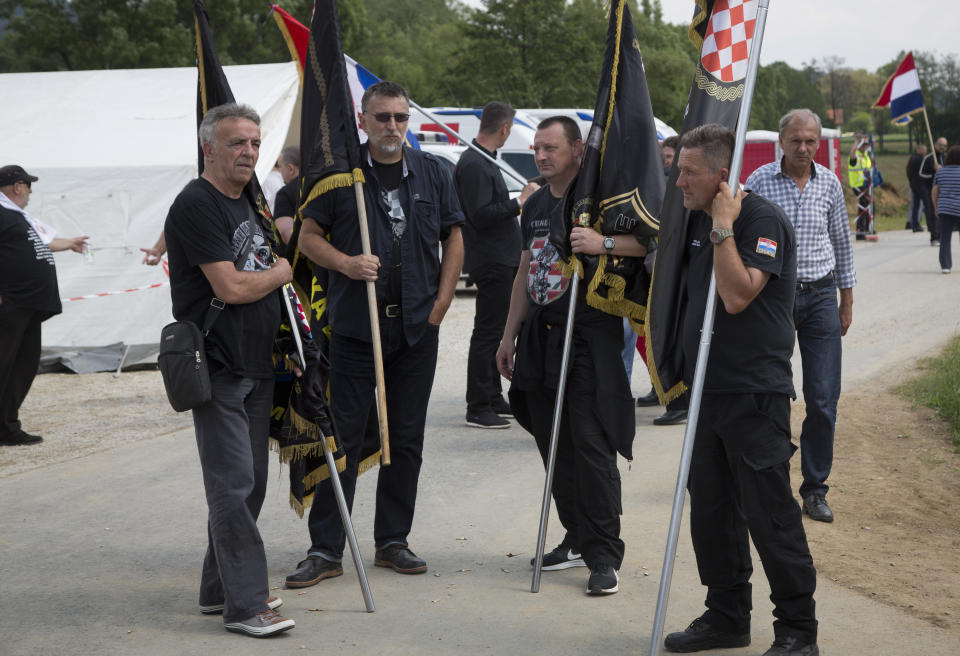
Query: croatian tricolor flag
[902, 92]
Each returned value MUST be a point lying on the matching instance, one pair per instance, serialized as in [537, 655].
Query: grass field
[937, 387]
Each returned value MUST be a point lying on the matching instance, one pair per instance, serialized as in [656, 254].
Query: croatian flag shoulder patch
[767, 247]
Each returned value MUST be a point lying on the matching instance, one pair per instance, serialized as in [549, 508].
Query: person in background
[928, 168]
[946, 203]
[29, 295]
[813, 199]
[285, 206]
[491, 240]
[919, 192]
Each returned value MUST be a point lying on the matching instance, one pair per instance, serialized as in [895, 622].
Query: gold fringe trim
[298, 507]
[572, 265]
[369, 463]
[331, 182]
[321, 473]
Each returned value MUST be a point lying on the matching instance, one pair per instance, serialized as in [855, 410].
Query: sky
[798, 31]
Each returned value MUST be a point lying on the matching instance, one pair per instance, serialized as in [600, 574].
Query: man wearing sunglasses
[412, 209]
[28, 295]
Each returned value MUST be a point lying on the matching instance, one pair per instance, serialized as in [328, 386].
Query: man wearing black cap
[28, 295]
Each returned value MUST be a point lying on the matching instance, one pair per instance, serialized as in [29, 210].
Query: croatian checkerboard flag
[902, 92]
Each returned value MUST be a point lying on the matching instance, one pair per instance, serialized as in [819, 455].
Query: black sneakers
[792, 646]
[700, 635]
[562, 557]
[486, 418]
[816, 506]
[273, 603]
[603, 581]
[501, 407]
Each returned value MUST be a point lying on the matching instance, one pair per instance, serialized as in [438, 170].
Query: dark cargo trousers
[586, 482]
[233, 439]
[739, 484]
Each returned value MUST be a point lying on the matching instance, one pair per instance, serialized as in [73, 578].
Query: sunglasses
[384, 117]
[25, 182]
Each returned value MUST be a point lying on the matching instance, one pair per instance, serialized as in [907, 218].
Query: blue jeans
[946, 224]
[817, 319]
[408, 373]
[629, 351]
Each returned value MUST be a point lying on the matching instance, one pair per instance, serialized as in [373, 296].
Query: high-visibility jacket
[858, 173]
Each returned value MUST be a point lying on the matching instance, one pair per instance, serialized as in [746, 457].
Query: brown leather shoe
[313, 570]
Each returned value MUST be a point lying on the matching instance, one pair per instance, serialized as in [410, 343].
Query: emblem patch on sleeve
[767, 247]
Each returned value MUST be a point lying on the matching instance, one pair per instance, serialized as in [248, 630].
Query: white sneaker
[261, 625]
[945, 270]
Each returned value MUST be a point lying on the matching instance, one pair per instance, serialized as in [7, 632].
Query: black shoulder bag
[183, 360]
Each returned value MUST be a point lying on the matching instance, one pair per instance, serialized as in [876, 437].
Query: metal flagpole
[465, 142]
[706, 335]
[555, 429]
[332, 466]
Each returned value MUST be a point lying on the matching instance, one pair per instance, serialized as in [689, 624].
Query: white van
[584, 117]
[517, 151]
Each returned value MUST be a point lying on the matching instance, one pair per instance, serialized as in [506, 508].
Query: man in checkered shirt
[812, 197]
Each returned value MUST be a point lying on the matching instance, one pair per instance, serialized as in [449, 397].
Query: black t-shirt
[28, 276]
[750, 352]
[546, 282]
[205, 226]
[286, 202]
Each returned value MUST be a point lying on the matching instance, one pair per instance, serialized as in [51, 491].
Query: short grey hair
[796, 113]
[208, 126]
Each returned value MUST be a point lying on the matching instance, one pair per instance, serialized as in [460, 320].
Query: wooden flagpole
[374, 331]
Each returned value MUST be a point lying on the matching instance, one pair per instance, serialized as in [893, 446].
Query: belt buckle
[392, 311]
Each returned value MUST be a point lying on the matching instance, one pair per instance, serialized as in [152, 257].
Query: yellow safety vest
[856, 173]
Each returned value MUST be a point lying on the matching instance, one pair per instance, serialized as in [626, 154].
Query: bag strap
[217, 305]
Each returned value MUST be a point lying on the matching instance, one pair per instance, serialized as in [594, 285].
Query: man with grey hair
[221, 264]
[813, 199]
[740, 466]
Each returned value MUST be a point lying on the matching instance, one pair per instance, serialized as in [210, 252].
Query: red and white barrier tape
[119, 291]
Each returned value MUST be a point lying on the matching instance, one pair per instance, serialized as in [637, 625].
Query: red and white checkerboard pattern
[726, 44]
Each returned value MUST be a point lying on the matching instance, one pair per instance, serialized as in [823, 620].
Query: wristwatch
[717, 235]
[608, 244]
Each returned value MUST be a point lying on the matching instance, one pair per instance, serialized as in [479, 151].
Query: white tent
[112, 149]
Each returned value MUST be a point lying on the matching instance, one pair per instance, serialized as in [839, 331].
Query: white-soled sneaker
[562, 557]
[273, 603]
[604, 580]
[261, 625]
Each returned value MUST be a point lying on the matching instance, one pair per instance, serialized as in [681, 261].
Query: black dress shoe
[648, 400]
[671, 417]
[700, 635]
[816, 506]
[792, 646]
[19, 438]
[399, 558]
[313, 570]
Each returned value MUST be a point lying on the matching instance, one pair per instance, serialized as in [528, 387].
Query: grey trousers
[232, 439]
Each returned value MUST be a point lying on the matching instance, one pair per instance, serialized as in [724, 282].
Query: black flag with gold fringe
[213, 90]
[619, 187]
[330, 159]
[722, 31]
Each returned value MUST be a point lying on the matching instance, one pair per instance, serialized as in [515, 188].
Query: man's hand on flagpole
[586, 240]
[361, 267]
[726, 207]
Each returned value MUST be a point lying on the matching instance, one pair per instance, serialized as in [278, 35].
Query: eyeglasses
[384, 117]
